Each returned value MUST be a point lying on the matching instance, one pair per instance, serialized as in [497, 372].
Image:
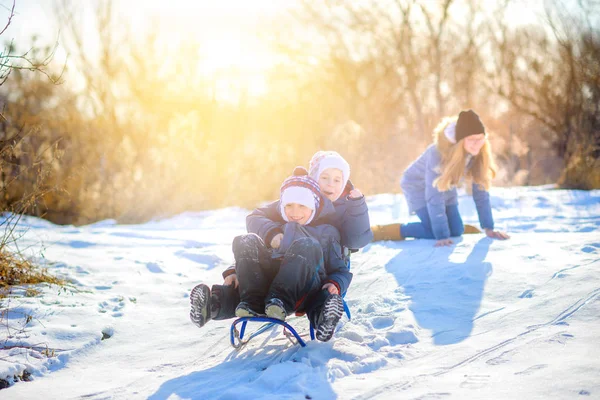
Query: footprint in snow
[402, 337]
[382, 322]
[590, 248]
[526, 294]
[113, 306]
[154, 267]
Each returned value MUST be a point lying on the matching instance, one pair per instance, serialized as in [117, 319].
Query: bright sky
[226, 32]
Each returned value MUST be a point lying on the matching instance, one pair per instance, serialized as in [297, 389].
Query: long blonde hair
[453, 155]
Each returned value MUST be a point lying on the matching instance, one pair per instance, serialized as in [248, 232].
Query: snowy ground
[483, 319]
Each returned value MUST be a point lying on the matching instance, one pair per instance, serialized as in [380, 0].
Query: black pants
[295, 279]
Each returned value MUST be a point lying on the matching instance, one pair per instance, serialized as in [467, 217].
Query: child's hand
[231, 279]
[355, 194]
[444, 242]
[330, 287]
[496, 234]
[276, 241]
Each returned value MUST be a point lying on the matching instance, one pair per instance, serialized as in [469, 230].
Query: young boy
[304, 270]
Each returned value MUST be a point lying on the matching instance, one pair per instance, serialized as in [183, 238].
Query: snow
[482, 319]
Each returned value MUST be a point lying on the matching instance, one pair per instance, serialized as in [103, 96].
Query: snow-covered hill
[483, 319]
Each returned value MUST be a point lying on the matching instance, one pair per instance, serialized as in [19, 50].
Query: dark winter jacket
[350, 217]
[336, 266]
[334, 258]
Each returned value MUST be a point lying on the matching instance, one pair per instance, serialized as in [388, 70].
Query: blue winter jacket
[417, 185]
[351, 218]
[335, 266]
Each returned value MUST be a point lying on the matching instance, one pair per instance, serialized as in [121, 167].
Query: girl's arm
[484, 207]
[436, 204]
[266, 222]
[484, 211]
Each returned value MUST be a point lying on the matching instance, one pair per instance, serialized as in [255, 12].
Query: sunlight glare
[227, 36]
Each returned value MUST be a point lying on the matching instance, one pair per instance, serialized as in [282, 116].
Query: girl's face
[330, 183]
[297, 213]
[474, 143]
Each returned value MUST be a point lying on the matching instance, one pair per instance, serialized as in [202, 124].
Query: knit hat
[468, 124]
[328, 159]
[300, 190]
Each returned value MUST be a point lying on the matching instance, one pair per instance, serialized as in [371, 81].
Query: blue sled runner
[237, 336]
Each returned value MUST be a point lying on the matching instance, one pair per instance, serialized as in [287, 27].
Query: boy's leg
[419, 230]
[455, 221]
[252, 257]
[298, 275]
[216, 303]
[224, 300]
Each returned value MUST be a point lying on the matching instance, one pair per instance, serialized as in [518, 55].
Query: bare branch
[12, 14]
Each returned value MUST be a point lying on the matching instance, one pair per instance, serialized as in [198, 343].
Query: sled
[236, 336]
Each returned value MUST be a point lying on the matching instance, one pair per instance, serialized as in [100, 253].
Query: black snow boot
[329, 316]
[200, 311]
[246, 310]
[275, 309]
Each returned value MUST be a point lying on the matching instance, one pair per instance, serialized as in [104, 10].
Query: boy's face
[330, 183]
[297, 213]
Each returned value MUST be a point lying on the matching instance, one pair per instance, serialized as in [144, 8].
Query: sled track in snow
[560, 318]
[557, 320]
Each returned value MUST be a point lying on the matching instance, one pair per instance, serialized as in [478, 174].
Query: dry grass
[15, 270]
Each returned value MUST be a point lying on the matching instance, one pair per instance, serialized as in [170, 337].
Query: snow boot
[386, 232]
[471, 229]
[275, 309]
[328, 318]
[200, 311]
[246, 310]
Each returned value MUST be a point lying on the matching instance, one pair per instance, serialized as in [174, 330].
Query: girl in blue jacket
[461, 150]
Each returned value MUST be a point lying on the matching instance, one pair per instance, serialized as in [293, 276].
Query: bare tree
[31, 60]
[551, 73]
[15, 134]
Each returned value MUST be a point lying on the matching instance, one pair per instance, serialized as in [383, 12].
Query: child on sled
[303, 269]
[351, 217]
[461, 149]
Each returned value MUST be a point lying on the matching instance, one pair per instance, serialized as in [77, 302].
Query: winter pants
[422, 230]
[294, 279]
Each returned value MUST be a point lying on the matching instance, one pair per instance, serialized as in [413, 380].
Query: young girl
[304, 271]
[461, 149]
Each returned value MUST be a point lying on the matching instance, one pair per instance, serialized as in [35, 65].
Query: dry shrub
[17, 271]
[582, 171]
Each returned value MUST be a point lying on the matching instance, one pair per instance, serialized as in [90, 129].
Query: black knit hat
[468, 124]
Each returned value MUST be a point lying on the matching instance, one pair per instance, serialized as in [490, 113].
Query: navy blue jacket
[351, 218]
[335, 264]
